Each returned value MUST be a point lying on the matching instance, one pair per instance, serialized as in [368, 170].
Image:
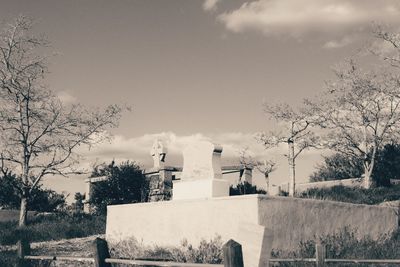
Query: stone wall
[291, 220]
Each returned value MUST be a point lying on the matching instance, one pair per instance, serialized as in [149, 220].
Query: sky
[197, 69]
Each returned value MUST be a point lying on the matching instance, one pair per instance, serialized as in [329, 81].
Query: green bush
[54, 227]
[354, 194]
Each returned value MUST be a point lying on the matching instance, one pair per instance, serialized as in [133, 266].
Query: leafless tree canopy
[362, 111]
[38, 133]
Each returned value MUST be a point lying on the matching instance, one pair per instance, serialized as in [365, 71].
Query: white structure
[158, 152]
[202, 173]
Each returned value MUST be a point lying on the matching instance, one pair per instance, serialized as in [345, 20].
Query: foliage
[336, 167]
[341, 166]
[245, 188]
[206, 252]
[77, 206]
[387, 166]
[43, 200]
[125, 184]
[53, 227]
[354, 194]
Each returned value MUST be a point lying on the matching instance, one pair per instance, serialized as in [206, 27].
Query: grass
[341, 245]
[55, 227]
[80, 247]
[354, 195]
[345, 245]
[13, 215]
[207, 251]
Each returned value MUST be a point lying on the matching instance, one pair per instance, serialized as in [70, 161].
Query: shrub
[126, 183]
[345, 245]
[354, 194]
[244, 188]
[206, 252]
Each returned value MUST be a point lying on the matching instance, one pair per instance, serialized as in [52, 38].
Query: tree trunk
[267, 182]
[368, 183]
[23, 211]
[292, 174]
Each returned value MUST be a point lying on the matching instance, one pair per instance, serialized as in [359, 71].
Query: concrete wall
[291, 220]
[295, 219]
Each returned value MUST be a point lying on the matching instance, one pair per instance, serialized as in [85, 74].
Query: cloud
[210, 5]
[338, 43]
[296, 18]
[66, 97]
[138, 148]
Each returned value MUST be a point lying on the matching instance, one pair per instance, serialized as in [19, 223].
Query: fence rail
[232, 253]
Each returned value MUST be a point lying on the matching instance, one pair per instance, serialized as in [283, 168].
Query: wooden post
[101, 253]
[233, 256]
[23, 249]
[320, 254]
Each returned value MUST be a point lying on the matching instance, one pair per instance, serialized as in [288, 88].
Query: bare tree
[296, 133]
[388, 45]
[39, 134]
[264, 166]
[362, 111]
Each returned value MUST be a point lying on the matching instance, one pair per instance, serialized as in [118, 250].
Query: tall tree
[38, 133]
[296, 132]
[361, 110]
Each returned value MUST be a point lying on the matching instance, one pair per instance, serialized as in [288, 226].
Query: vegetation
[341, 166]
[42, 200]
[39, 134]
[206, 252]
[344, 245]
[354, 195]
[297, 134]
[52, 227]
[245, 189]
[125, 184]
[337, 167]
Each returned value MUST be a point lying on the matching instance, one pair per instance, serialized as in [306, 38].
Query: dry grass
[78, 247]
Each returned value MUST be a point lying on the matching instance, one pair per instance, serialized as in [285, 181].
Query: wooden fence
[232, 253]
[321, 260]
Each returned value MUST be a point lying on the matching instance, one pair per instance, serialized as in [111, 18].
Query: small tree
[39, 135]
[296, 133]
[264, 166]
[126, 183]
